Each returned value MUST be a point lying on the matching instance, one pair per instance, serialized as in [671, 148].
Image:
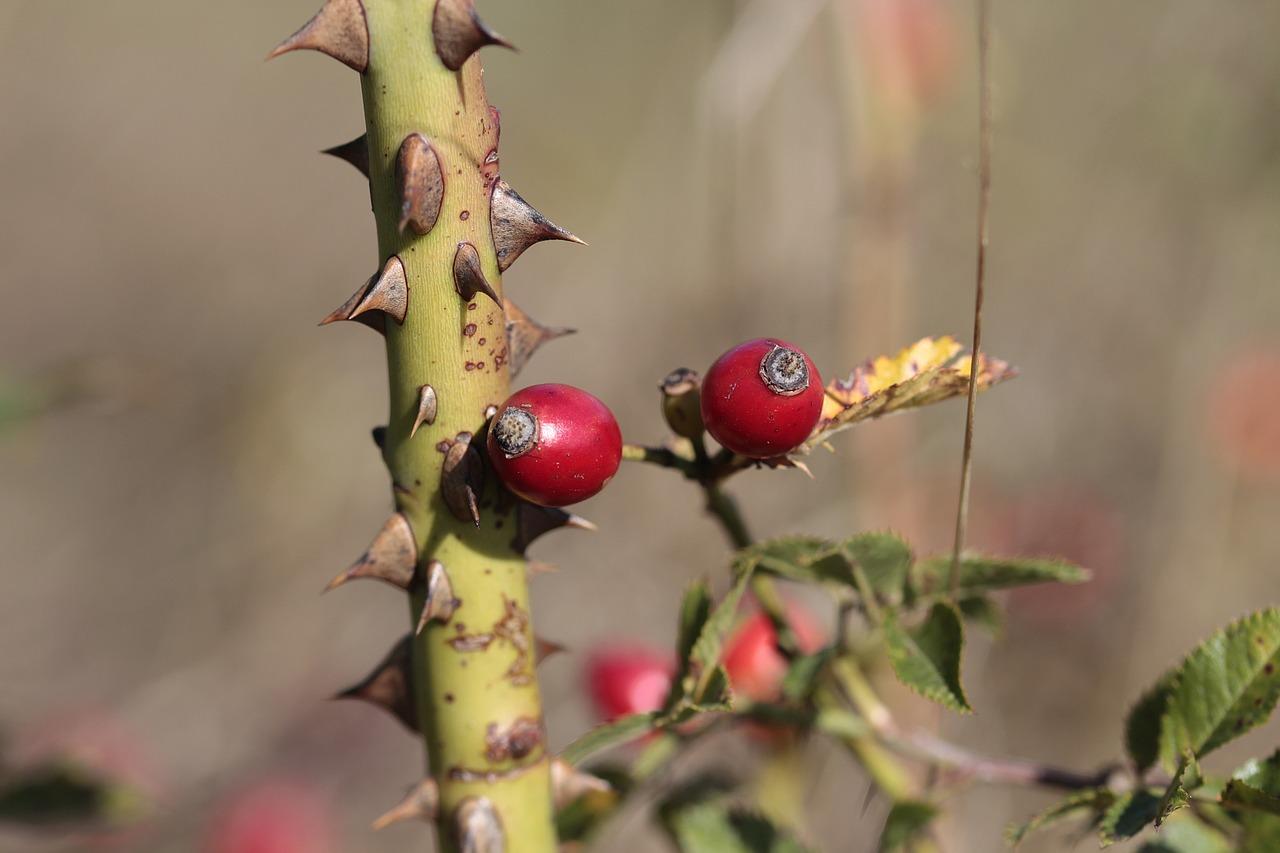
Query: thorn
[568, 783]
[517, 226]
[537, 567]
[390, 686]
[532, 521]
[380, 436]
[525, 335]
[427, 408]
[355, 152]
[421, 183]
[421, 802]
[339, 29]
[459, 32]
[546, 648]
[468, 275]
[462, 479]
[391, 557]
[479, 828]
[387, 292]
[440, 603]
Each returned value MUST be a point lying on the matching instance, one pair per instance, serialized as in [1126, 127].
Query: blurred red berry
[555, 445]
[1245, 413]
[628, 680]
[755, 666]
[762, 398]
[273, 816]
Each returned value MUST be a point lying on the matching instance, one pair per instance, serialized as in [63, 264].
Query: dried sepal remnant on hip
[339, 29]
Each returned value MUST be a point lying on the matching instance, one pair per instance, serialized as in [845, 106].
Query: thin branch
[984, 204]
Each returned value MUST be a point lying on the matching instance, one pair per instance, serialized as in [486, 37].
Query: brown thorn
[388, 292]
[421, 802]
[525, 335]
[427, 409]
[468, 274]
[440, 603]
[339, 29]
[420, 180]
[380, 436]
[390, 685]
[546, 648]
[391, 557]
[478, 826]
[462, 479]
[568, 783]
[532, 521]
[355, 152]
[458, 32]
[517, 226]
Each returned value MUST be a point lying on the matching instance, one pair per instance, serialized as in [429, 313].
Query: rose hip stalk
[762, 398]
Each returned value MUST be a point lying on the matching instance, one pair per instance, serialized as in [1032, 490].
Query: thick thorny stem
[474, 681]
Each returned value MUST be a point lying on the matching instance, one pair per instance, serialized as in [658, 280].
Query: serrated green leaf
[907, 821]
[1128, 815]
[609, 735]
[987, 574]
[1255, 786]
[695, 607]
[1261, 833]
[983, 610]
[705, 654]
[700, 819]
[1227, 686]
[1095, 800]
[927, 658]
[802, 674]
[885, 559]
[1177, 794]
[809, 559]
[1142, 726]
[1186, 833]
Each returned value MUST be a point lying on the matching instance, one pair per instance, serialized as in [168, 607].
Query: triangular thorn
[355, 152]
[517, 226]
[421, 802]
[338, 29]
[525, 335]
[532, 521]
[458, 32]
[391, 557]
[544, 648]
[428, 406]
[390, 685]
[468, 274]
[387, 293]
[478, 826]
[420, 181]
[462, 479]
[380, 436]
[568, 783]
[440, 603]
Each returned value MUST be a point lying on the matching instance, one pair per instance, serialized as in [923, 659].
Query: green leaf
[983, 610]
[986, 574]
[1255, 786]
[1261, 834]
[695, 607]
[802, 674]
[1142, 727]
[1227, 686]
[1095, 800]
[1186, 833]
[705, 654]
[1127, 816]
[609, 735]
[885, 559]
[907, 820]
[700, 819]
[66, 795]
[808, 559]
[927, 658]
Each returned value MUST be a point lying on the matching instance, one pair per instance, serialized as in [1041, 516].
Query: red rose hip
[628, 680]
[762, 398]
[554, 445]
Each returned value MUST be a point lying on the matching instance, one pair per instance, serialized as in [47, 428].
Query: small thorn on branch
[568, 783]
[478, 826]
[339, 29]
[544, 648]
[525, 335]
[468, 275]
[379, 434]
[458, 32]
[428, 407]
[391, 557]
[421, 802]
[440, 603]
[420, 180]
[355, 152]
[462, 479]
[533, 521]
[517, 225]
[385, 294]
[390, 685]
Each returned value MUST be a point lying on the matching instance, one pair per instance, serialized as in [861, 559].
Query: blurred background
[184, 455]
